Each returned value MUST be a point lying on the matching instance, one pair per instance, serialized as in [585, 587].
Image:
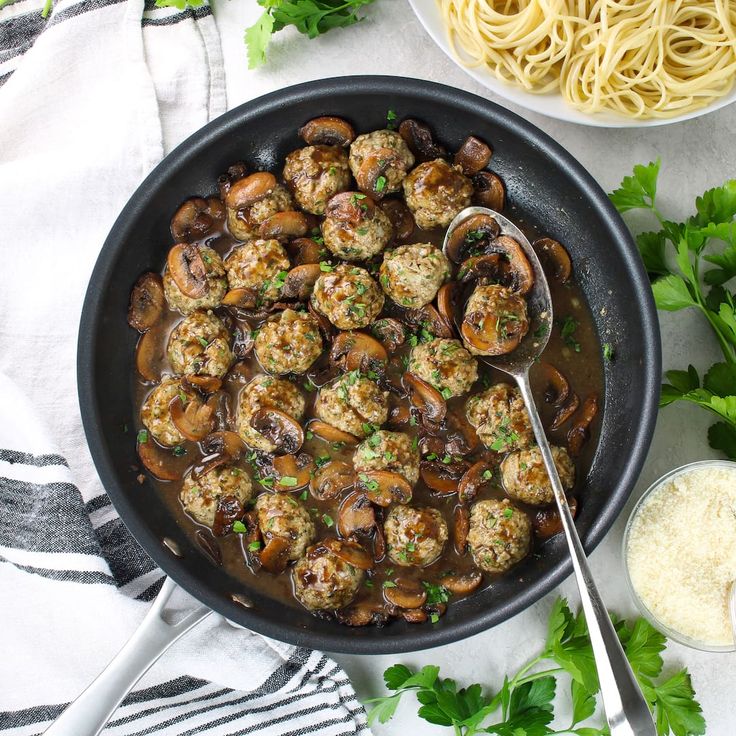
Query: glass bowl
[645, 612]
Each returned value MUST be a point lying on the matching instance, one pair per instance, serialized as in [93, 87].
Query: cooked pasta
[638, 58]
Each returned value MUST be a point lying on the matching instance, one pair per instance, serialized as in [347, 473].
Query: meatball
[315, 174]
[498, 318]
[414, 536]
[260, 265]
[384, 151]
[216, 286]
[200, 345]
[282, 515]
[384, 450]
[289, 343]
[156, 415]
[265, 392]
[525, 478]
[200, 496]
[348, 297]
[446, 364]
[412, 274]
[323, 581]
[500, 418]
[499, 536]
[355, 228]
[435, 192]
[243, 222]
[351, 403]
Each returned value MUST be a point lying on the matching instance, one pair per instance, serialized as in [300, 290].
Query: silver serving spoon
[626, 709]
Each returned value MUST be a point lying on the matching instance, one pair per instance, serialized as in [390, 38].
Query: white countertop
[695, 155]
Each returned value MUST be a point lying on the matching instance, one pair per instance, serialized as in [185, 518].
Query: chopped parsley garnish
[143, 437]
[254, 546]
[505, 437]
[389, 584]
[288, 480]
[239, 527]
[328, 520]
[380, 183]
[178, 451]
[446, 393]
[567, 330]
[436, 593]
[391, 120]
[325, 267]
[608, 351]
[508, 512]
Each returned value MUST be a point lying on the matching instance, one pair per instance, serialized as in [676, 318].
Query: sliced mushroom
[280, 429]
[379, 543]
[413, 615]
[149, 352]
[325, 326]
[429, 318]
[229, 509]
[194, 418]
[284, 226]
[474, 479]
[473, 155]
[356, 515]
[300, 281]
[244, 298]
[224, 443]
[557, 387]
[547, 522]
[470, 235]
[436, 609]
[462, 583]
[390, 332]
[363, 613]
[462, 438]
[432, 445]
[400, 217]
[209, 546]
[499, 332]
[418, 138]
[274, 557]
[516, 268]
[489, 191]
[443, 478]
[187, 269]
[235, 172]
[425, 398]
[565, 412]
[327, 131]
[555, 259]
[484, 268]
[246, 192]
[384, 487]
[447, 304]
[243, 341]
[328, 433]
[405, 593]
[580, 429]
[196, 218]
[161, 462]
[351, 552]
[294, 471]
[305, 250]
[460, 527]
[358, 351]
[147, 302]
[331, 480]
[206, 384]
[252, 540]
[399, 416]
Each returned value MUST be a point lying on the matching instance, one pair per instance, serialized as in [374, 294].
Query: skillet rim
[341, 640]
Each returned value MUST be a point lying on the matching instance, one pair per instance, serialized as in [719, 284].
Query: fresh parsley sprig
[675, 257]
[524, 706]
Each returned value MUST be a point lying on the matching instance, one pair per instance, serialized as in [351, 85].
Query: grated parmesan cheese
[681, 553]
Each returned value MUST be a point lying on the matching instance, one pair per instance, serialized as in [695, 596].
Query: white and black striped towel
[90, 100]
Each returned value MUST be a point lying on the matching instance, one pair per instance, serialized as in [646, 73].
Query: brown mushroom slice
[432, 445]
[358, 351]
[351, 552]
[399, 416]
[327, 131]
[274, 557]
[280, 429]
[363, 613]
[194, 418]
[249, 190]
[355, 515]
[187, 269]
[474, 479]
[492, 334]
[462, 439]
[460, 528]
[436, 609]
[331, 480]
[209, 546]
[427, 400]
[413, 615]
[325, 326]
[565, 412]
[161, 462]
[328, 433]
[384, 487]
[469, 234]
[489, 191]
[516, 266]
[405, 593]
[443, 478]
[547, 522]
[462, 583]
[390, 333]
[225, 443]
[147, 302]
[229, 510]
[196, 217]
[149, 352]
[299, 282]
[473, 155]
[400, 217]
[284, 226]
[419, 139]
[557, 387]
[243, 341]
[206, 384]
[370, 176]
[483, 268]
[555, 259]
[447, 304]
[244, 298]
[430, 318]
[305, 250]
[379, 543]
[294, 471]
[235, 172]
[580, 429]
[350, 207]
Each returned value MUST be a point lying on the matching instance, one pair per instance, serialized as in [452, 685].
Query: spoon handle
[626, 709]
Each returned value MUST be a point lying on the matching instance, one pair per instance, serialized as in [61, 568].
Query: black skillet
[544, 183]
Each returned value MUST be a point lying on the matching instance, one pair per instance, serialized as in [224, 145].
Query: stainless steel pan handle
[90, 712]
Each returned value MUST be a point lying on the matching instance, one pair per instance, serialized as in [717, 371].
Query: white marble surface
[695, 155]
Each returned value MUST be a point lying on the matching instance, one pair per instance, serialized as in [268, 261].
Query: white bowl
[552, 104]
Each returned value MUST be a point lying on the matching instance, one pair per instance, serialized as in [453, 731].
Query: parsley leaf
[637, 191]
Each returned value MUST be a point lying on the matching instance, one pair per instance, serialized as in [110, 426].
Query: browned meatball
[495, 321]
[414, 536]
[499, 536]
[525, 477]
[500, 418]
[315, 174]
[382, 153]
[249, 204]
[355, 228]
[323, 581]
[435, 192]
[347, 296]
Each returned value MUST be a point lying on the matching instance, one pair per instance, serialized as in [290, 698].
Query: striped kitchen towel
[91, 98]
